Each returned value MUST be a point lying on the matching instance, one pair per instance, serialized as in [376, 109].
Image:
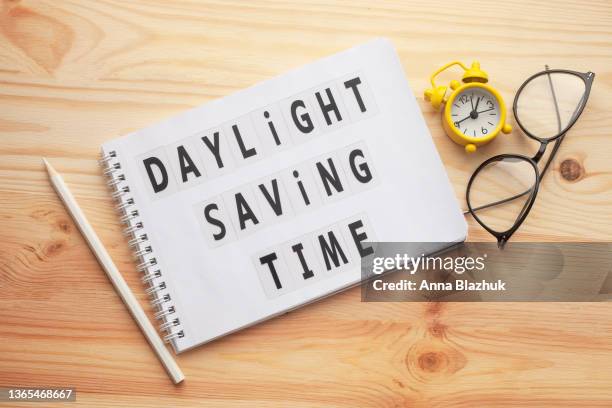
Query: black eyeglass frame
[503, 236]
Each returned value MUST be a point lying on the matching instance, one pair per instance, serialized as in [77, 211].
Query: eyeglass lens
[547, 104]
[509, 181]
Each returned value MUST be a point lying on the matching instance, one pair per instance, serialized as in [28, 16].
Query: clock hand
[485, 110]
[466, 118]
[472, 101]
[477, 102]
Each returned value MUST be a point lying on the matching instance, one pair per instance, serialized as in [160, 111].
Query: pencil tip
[49, 168]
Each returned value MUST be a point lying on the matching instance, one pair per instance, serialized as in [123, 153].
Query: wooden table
[76, 73]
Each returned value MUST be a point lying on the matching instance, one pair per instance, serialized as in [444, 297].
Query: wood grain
[75, 73]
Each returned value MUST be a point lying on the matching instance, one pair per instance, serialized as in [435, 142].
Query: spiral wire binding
[152, 276]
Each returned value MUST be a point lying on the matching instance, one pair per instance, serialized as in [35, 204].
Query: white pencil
[115, 277]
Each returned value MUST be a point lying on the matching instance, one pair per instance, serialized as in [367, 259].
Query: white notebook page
[235, 195]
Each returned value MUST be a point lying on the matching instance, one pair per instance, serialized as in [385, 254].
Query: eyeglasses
[502, 190]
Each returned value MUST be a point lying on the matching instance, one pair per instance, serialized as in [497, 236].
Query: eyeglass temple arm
[554, 95]
[505, 200]
[560, 139]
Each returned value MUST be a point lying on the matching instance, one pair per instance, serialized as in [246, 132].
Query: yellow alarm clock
[474, 112]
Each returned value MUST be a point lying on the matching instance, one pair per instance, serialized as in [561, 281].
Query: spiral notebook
[267, 199]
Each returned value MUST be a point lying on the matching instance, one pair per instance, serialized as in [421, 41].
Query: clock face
[475, 112]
